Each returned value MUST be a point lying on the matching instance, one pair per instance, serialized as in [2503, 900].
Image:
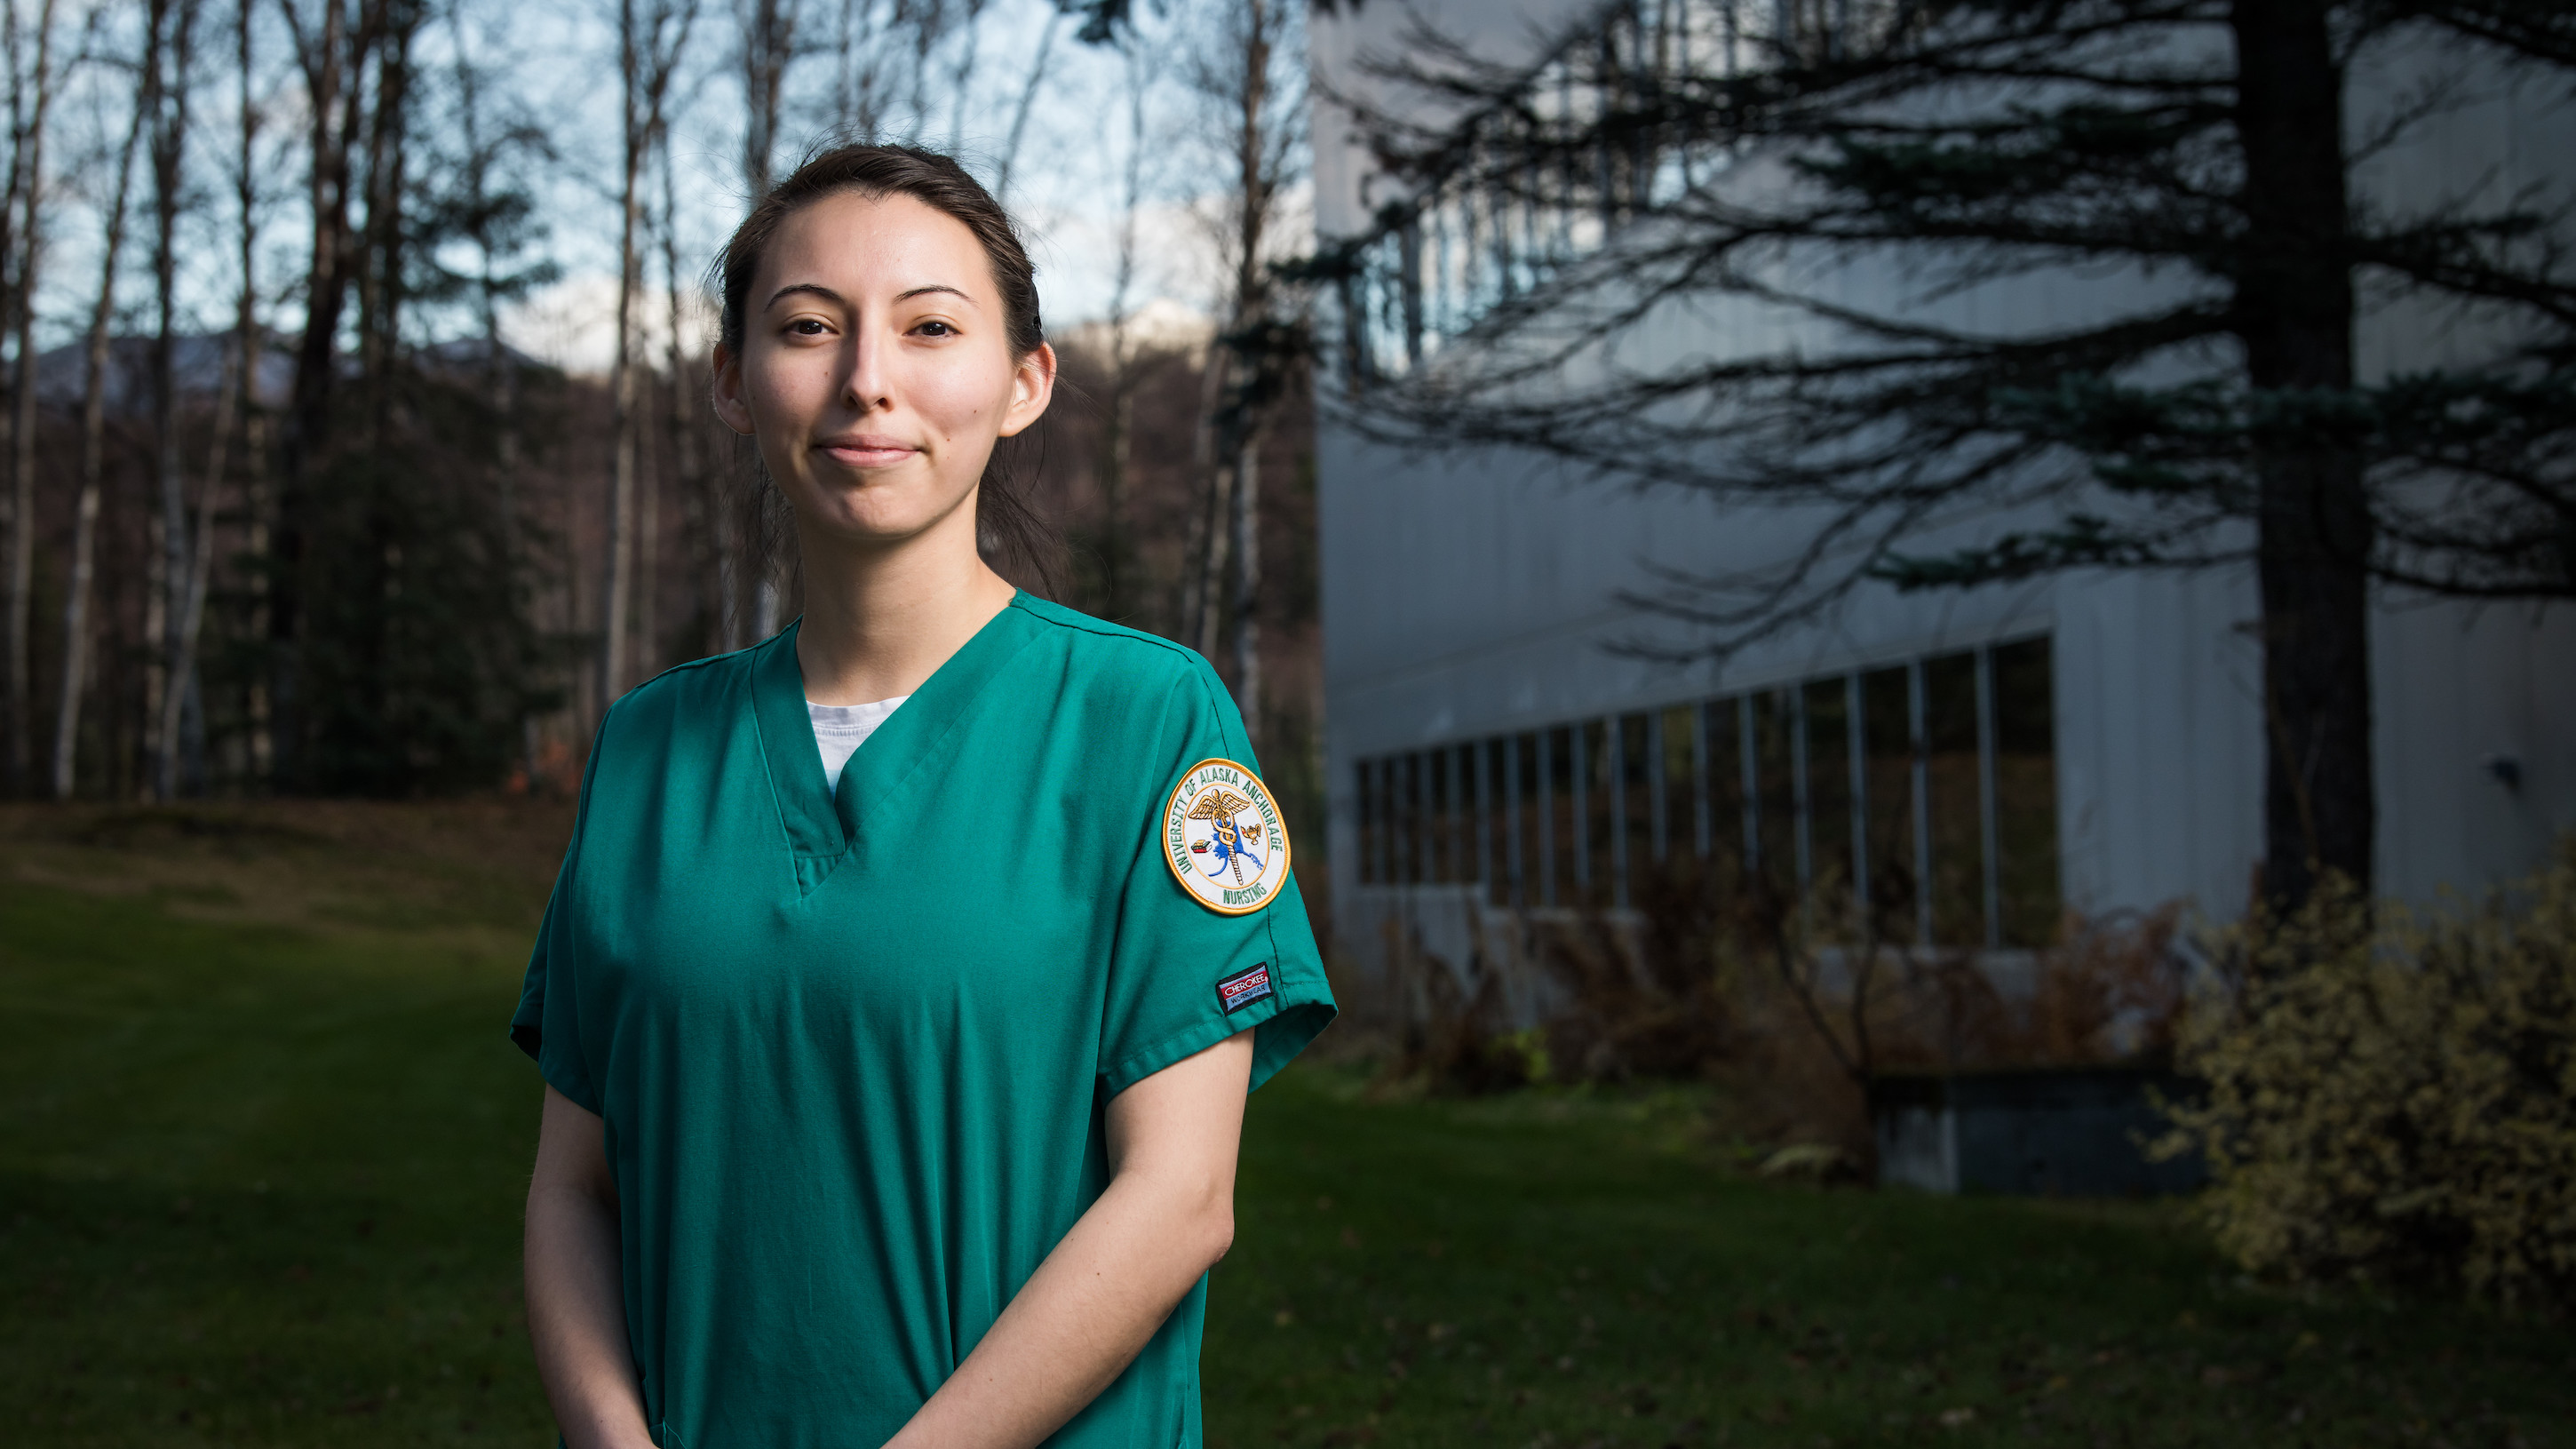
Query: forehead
[859, 244]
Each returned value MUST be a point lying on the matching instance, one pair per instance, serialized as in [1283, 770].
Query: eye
[935, 328]
[807, 327]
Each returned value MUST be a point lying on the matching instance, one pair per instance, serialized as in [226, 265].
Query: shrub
[2393, 1099]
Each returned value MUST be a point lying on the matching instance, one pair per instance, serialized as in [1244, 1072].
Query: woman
[896, 1101]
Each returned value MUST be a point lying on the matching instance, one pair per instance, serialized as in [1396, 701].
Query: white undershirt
[839, 730]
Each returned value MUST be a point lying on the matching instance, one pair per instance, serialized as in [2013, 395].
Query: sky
[553, 65]
[1066, 179]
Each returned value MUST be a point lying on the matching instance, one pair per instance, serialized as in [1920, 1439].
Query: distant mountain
[197, 363]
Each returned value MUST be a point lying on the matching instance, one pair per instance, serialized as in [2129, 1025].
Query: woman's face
[876, 368]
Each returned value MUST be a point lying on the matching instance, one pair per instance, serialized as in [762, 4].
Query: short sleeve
[547, 1025]
[1183, 977]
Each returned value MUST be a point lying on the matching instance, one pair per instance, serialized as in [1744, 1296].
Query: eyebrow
[819, 290]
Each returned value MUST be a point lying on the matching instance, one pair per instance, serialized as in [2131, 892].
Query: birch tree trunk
[22, 458]
[182, 708]
[722, 573]
[649, 46]
[14, 519]
[255, 493]
[1247, 583]
[76, 592]
[768, 49]
[617, 577]
[1118, 446]
[169, 126]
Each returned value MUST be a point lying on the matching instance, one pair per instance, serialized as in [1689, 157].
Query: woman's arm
[575, 1285]
[1167, 1216]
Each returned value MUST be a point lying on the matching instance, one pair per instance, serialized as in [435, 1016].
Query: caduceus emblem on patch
[1223, 838]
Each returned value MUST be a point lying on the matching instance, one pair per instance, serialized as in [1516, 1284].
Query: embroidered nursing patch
[1223, 838]
[1235, 993]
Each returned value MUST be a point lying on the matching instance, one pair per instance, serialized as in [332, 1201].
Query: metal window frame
[1749, 768]
[1369, 821]
[1802, 834]
[1702, 810]
[1547, 817]
[1856, 743]
[1658, 780]
[1988, 825]
[1482, 751]
[1617, 727]
[1917, 726]
[1579, 756]
[1453, 801]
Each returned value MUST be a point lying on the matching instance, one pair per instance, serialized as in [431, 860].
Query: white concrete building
[2092, 741]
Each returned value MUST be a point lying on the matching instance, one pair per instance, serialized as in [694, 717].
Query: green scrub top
[852, 1050]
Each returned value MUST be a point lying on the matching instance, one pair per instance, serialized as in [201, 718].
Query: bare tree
[166, 120]
[1248, 79]
[768, 50]
[248, 349]
[1118, 436]
[650, 40]
[1028, 102]
[26, 195]
[77, 589]
[332, 55]
[714, 541]
[962, 75]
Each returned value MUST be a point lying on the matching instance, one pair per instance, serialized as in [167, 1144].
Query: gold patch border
[1287, 847]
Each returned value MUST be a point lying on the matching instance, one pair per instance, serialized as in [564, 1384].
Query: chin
[840, 522]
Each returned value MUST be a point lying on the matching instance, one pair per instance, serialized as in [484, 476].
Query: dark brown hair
[1008, 531]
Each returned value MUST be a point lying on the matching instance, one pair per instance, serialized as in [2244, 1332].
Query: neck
[881, 618]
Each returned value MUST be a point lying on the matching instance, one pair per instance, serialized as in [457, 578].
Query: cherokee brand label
[1235, 993]
[1224, 840]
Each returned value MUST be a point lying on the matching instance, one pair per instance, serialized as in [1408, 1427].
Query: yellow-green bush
[2393, 1097]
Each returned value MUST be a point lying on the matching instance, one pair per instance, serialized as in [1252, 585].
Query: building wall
[1471, 594]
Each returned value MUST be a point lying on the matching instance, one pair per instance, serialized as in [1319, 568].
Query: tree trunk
[1027, 102]
[618, 575]
[1247, 583]
[330, 59]
[255, 493]
[711, 543]
[169, 155]
[1118, 445]
[13, 294]
[2294, 307]
[1208, 534]
[76, 593]
[768, 46]
[22, 452]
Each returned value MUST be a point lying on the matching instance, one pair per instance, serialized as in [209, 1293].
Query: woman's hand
[575, 1285]
[1166, 1217]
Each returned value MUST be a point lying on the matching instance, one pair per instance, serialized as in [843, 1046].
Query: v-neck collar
[823, 826]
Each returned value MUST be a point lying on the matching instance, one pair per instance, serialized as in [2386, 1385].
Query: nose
[865, 379]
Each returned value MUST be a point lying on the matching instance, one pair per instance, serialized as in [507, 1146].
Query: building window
[1951, 804]
[1887, 803]
[1366, 775]
[1925, 793]
[2025, 792]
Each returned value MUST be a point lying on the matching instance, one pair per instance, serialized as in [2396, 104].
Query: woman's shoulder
[1125, 660]
[700, 692]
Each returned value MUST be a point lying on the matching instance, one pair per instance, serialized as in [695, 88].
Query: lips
[866, 450]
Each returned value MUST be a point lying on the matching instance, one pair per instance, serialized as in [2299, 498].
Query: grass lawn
[262, 1143]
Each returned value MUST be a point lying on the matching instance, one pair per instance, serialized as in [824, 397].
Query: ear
[1032, 388]
[725, 391]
